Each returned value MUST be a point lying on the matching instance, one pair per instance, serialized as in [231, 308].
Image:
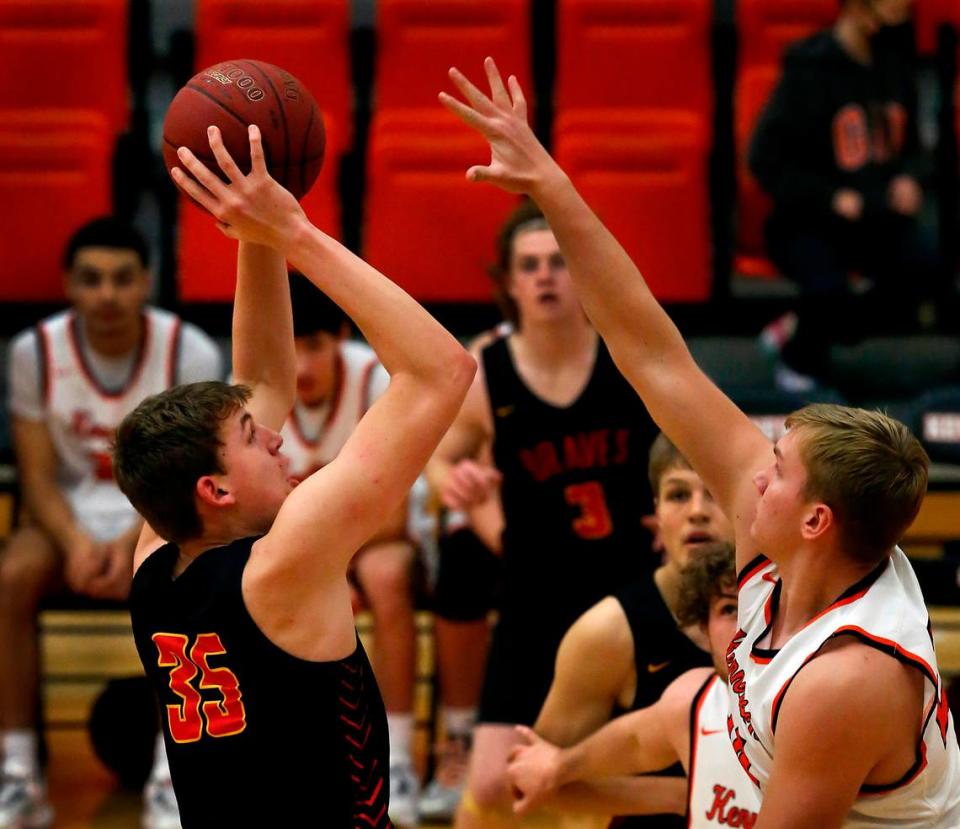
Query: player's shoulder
[680, 694]
[599, 637]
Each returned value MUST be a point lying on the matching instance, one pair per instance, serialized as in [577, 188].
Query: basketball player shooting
[240, 603]
[836, 709]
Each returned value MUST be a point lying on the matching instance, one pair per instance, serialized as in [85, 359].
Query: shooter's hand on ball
[252, 208]
[518, 163]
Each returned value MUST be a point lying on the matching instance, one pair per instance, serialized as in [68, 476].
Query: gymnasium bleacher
[625, 92]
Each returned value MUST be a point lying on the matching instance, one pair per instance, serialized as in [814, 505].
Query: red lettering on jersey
[594, 520]
[943, 714]
[896, 127]
[621, 441]
[727, 815]
[224, 717]
[737, 679]
[851, 140]
[739, 747]
[585, 450]
[83, 426]
[102, 464]
[542, 461]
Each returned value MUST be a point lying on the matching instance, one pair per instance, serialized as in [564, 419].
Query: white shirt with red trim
[312, 437]
[884, 610]
[81, 414]
[720, 794]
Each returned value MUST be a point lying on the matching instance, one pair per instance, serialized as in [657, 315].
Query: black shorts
[519, 671]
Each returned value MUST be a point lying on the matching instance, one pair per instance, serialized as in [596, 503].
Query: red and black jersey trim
[751, 569]
[338, 387]
[695, 707]
[853, 593]
[73, 335]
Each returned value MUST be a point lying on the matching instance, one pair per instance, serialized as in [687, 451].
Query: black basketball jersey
[255, 736]
[661, 653]
[574, 484]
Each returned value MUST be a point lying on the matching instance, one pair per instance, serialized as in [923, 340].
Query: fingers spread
[192, 189]
[470, 116]
[477, 99]
[257, 159]
[199, 170]
[497, 90]
[519, 101]
[224, 159]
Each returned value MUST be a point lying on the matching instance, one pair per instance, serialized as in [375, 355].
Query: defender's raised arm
[707, 427]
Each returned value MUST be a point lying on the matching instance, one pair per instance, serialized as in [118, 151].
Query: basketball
[236, 93]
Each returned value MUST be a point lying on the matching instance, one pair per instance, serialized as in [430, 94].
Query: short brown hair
[527, 216]
[868, 468]
[663, 456]
[165, 445]
[702, 579]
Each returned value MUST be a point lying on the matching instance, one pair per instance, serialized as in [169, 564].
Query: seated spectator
[837, 149]
[337, 381]
[73, 377]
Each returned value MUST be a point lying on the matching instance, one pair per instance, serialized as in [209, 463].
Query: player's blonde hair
[867, 467]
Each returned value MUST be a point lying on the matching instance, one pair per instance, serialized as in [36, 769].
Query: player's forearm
[406, 338]
[611, 288]
[623, 796]
[263, 355]
[629, 744]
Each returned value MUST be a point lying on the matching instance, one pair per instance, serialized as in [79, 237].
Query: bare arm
[593, 665]
[646, 740]
[718, 439]
[328, 517]
[262, 342]
[832, 719]
[622, 796]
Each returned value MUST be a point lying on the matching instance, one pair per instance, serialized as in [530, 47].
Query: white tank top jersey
[720, 793]
[313, 437]
[884, 610]
[82, 415]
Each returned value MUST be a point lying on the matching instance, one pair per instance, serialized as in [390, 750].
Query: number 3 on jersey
[186, 720]
[594, 520]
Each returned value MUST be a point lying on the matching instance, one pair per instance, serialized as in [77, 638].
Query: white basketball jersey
[313, 438]
[82, 416]
[720, 793]
[884, 610]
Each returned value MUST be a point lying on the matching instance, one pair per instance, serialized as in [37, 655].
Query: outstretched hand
[252, 208]
[518, 161]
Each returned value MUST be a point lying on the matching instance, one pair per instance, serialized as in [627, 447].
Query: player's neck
[548, 344]
[115, 343]
[812, 580]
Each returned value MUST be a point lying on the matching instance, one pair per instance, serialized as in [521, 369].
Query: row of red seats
[633, 127]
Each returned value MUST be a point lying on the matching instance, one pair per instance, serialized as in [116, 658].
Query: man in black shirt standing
[243, 621]
[837, 150]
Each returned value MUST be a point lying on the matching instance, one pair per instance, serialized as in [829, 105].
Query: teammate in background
[243, 620]
[337, 382]
[72, 379]
[624, 651]
[687, 724]
[569, 441]
[833, 635]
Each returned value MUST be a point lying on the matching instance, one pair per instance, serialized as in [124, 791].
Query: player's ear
[818, 519]
[214, 491]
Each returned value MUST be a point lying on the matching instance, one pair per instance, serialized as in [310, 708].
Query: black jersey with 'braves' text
[254, 735]
[574, 484]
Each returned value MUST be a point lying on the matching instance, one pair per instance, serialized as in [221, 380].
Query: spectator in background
[337, 381]
[73, 377]
[837, 149]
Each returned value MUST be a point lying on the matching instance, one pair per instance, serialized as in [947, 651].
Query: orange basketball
[236, 93]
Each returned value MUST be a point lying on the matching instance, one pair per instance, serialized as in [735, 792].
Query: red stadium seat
[65, 54]
[928, 16]
[764, 29]
[418, 40]
[645, 173]
[54, 176]
[310, 39]
[634, 53]
[426, 226]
